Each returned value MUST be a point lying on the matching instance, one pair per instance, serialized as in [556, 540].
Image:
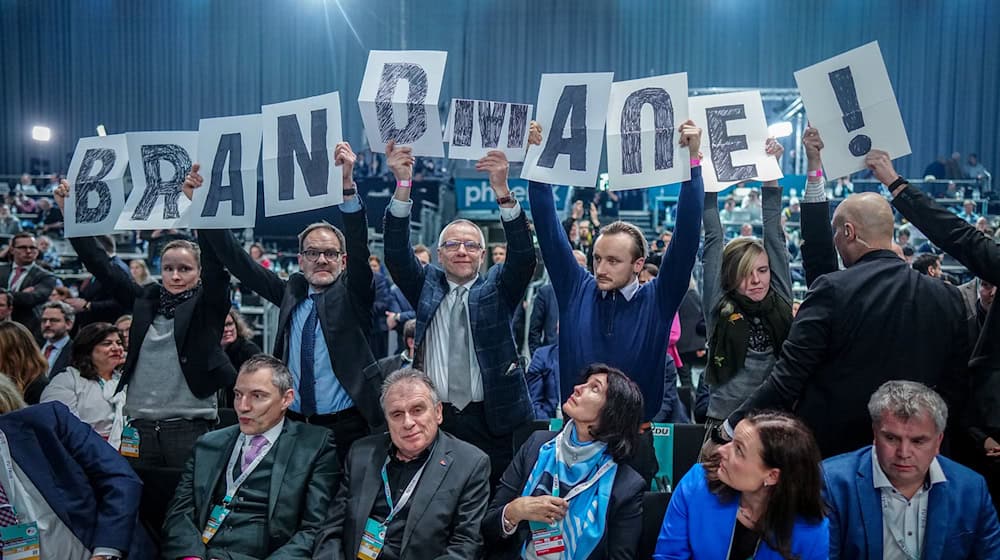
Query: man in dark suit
[261, 489]
[405, 358]
[27, 281]
[875, 321]
[981, 255]
[97, 302]
[463, 318]
[66, 478]
[57, 322]
[439, 485]
[898, 498]
[324, 317]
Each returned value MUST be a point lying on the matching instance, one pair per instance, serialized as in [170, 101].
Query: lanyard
[579, 488]
[407, 492]
[233, 486]
[8, 466]
[900, 541]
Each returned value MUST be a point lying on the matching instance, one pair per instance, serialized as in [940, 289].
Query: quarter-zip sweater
[632, 333]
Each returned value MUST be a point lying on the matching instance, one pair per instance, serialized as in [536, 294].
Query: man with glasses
[28, 283]
[463, 333]
[325, 315]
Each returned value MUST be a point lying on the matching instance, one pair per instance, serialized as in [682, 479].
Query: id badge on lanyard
[373, 538]
[21, 540]
[221, 511]
[130, 442]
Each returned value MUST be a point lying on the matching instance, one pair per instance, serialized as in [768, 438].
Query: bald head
[862, 223]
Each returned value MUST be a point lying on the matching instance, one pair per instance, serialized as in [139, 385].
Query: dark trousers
[167, 443]
[347, 426]
[469, 425]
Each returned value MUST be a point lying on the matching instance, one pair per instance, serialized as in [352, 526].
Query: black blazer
[622, 527]
[198, 321]
[303, 479]
[856, 329]
[27, 304]
[446, 509]
[62, 360]
[981, 255]
[104, 306]
[345, 307]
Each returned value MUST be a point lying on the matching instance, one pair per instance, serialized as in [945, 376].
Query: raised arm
[711, 259]
[517, 270]
[819, 256]
[403, 265]
[774, 234]
[678, 261]
[943, 228]
[360, 279]
[97, 262]
[557, 253]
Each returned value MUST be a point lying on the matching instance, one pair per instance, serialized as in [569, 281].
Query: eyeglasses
[470, 246]
[312, 255]
[27, 248]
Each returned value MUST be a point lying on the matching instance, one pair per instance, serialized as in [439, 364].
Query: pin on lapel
[444, 463]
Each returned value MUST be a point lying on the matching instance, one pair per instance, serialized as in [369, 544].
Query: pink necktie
[256, 444]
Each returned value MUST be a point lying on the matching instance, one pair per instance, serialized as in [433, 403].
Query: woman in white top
[87, 387]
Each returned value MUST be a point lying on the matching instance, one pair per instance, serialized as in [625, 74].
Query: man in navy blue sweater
[610, 317]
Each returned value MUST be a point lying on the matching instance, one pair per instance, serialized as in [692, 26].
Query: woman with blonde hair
[22, 361]
[747, 292]
[140, 272]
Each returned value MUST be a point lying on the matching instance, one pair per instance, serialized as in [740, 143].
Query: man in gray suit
[261, 489]
[414, 494]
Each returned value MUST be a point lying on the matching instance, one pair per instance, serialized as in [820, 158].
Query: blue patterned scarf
[583, 526]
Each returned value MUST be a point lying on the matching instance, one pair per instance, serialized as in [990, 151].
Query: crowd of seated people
[138, 418]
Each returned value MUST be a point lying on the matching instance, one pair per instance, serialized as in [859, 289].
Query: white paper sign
[572, 110]
[477, 127]
[96, 175]
[159, 162]
[299, 141]
[643, 118]
[228, 151]
[733, 143]
[399, 100]
[849, 99]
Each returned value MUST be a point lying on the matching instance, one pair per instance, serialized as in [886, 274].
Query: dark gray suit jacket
[27, 304]
[303, 480]
[448, 505]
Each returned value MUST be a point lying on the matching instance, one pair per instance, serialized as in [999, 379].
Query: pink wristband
[817, 173]
[406, 183]
[695, 162]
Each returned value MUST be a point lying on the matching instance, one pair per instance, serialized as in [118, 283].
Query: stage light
[780, 129]
[101, 131]
[41, 133]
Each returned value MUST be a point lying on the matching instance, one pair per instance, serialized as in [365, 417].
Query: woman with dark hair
[22, 361]
[575, 483]
[747, 292]
[236, 341]
[174, 365]
[758, 496]
[87, 386]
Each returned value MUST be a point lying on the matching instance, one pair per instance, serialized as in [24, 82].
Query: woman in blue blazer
[758, 496]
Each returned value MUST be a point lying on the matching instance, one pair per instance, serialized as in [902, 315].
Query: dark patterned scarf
[169, 301]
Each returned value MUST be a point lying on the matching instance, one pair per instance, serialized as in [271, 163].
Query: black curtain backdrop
[137, 65]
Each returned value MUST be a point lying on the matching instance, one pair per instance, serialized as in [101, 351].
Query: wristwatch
[507, 199]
